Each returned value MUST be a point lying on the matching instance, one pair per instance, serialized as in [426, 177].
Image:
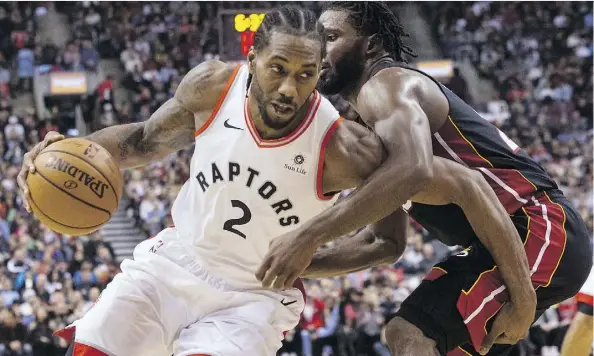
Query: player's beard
[345, 73]
[262, 103]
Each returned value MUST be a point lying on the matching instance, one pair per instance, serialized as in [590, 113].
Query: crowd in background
[538, 56]
[46, 280]
[17, 46]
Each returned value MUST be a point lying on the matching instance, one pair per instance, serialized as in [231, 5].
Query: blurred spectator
[71, 58]
[26, 65]
[41, 334]
[89, 56]
[131, 59]
[105, 90]
[14, 132]
[13, 335]
[458, 85]
[4, 71]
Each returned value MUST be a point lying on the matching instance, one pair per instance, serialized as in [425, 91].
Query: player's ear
[251, 57]
[374, 44]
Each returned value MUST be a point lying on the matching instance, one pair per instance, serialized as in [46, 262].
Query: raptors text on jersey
[245, 190]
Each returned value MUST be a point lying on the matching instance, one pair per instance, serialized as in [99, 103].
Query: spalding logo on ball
[76, 186]
[96, 185]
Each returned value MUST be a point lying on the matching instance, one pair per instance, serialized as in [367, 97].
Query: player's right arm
[170, 129]
[380, 243]
[467, 188]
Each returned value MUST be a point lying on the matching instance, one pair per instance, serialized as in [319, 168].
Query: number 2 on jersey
[230, 224]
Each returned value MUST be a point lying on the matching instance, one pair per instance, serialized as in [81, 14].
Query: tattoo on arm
[132, 140]
[169, 129]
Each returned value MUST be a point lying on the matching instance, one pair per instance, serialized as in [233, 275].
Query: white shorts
[156, 307]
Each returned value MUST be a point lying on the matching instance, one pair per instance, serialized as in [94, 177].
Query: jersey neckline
[299, 130]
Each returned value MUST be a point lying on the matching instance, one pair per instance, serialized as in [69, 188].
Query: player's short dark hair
[375, 17]
[291, 20]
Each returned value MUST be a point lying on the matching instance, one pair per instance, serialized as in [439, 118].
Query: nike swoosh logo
[227, 125]
[287, 303]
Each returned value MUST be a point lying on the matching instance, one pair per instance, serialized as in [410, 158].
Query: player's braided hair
[291, 20]
[371, 17]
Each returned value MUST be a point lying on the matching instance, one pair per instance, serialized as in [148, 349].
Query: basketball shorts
[585, 298]
[156, 307]
[456, 303]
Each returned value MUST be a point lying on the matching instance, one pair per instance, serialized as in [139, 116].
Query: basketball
[76, 186]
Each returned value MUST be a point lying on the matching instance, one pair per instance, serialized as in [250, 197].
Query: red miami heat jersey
[472, 141]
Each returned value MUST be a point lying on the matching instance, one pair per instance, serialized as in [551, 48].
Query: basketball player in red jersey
[418, 120]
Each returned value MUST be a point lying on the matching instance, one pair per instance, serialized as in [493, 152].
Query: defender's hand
[29, 167]
[510, 326]
[285, 261]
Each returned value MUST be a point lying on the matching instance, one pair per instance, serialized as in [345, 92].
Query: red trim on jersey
[544, 245]
[262, 143]
[461, 145]
[435, 273]
[545, 215]
[66, 333]
[515, 181]
[219, 103]
[320, 173]
[86, 350]
[585, 298]
[511, 187]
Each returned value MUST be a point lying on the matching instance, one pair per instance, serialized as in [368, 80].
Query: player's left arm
[468, 189]
[384, 241]
[393, 102]
[380, 243]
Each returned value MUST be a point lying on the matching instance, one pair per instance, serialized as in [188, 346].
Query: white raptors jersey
[244, 191]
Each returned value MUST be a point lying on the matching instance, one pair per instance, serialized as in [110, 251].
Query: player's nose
[288, 87]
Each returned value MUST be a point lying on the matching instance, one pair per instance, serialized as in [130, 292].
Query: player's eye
[276, 69]
[306, 75]
[331, 37]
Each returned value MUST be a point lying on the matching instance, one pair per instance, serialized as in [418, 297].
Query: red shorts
[456, 303]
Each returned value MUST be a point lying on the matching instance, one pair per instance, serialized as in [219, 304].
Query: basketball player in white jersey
[579, 337]
[269, 153]
[268, 150]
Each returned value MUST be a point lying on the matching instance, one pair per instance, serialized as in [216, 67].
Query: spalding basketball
[76, 186]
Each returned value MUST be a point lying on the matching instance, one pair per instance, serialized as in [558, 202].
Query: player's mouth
[325, 69]
[282, 110]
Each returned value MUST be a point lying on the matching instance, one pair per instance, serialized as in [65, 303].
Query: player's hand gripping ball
[73, 186]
